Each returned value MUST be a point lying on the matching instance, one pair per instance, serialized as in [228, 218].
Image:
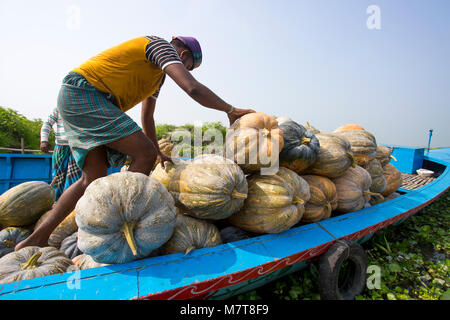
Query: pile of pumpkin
[202, 202]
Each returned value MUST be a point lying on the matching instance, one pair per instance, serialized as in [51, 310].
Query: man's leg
[140, 148]
[95, 166]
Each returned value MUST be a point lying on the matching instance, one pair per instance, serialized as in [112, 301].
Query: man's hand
[45, 145]
[163, 158]
[237, 113]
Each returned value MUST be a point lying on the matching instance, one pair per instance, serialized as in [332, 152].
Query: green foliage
[191, 140]
[414, 258]
[14, 126]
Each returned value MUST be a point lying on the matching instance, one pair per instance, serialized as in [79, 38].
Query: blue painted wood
[409, 159]
[157, 274]
[19, 168]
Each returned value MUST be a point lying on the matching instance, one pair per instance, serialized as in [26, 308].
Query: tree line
[14, 126]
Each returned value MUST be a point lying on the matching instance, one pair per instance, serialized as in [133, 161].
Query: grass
[414, 259]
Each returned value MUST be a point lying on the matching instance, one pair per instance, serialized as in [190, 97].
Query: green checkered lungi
[91, 119]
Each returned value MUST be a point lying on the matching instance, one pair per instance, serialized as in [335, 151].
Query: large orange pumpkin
[254, 141]
[350, 126]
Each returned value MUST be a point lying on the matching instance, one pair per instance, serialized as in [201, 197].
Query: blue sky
[312, 61]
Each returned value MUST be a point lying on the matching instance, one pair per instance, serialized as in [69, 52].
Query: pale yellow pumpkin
[274, 204]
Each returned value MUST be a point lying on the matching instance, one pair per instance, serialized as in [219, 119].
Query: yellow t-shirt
[131, 71]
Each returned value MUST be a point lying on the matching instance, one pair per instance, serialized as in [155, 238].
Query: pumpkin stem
[238, 195]
[127, 231]
[9, 243]
[305, 140]
[189, 250]
[297, 200]
[391, 156]
[53, 181]
[32, 262]
[265, 132]
[378, 195]
[353, 159]
[329, 207]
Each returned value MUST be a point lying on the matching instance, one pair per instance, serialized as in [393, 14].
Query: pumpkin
[11, 236]
[123, 217]
[254, 141]
[32, 262]
[24, 204]
[363, 145]
[375, 170]
[350, 126]
[209, 187]
[393, 179]
[313, 129]
[69, 246]
[232, 233]
[165, 146]
[353, 189]
[274, 204]
[334, 156]
[67, 227]
[384, 155]
[323, 199]
[84, 261]
[191, 233]
[165, 175]
[376, 199]
[300, 146]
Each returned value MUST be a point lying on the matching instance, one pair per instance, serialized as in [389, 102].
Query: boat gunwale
[139, 265]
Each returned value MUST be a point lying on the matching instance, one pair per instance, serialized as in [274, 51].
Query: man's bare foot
[32, 240]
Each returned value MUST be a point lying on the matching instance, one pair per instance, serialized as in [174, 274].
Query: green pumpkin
[11, 236]
[300, 146]
[323, 199]
[124, 217]
[191, 233]
[275, 203]
[69, 246]
[25, 203]
[209, 187]
[84, 261]
[334, 156]
[32, 262]
[379, 182]
[363, 145]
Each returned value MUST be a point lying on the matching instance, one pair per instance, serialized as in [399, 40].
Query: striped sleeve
[161, 52]
[48, 124]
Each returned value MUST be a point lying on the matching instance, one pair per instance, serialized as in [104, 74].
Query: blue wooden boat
[231, 268]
